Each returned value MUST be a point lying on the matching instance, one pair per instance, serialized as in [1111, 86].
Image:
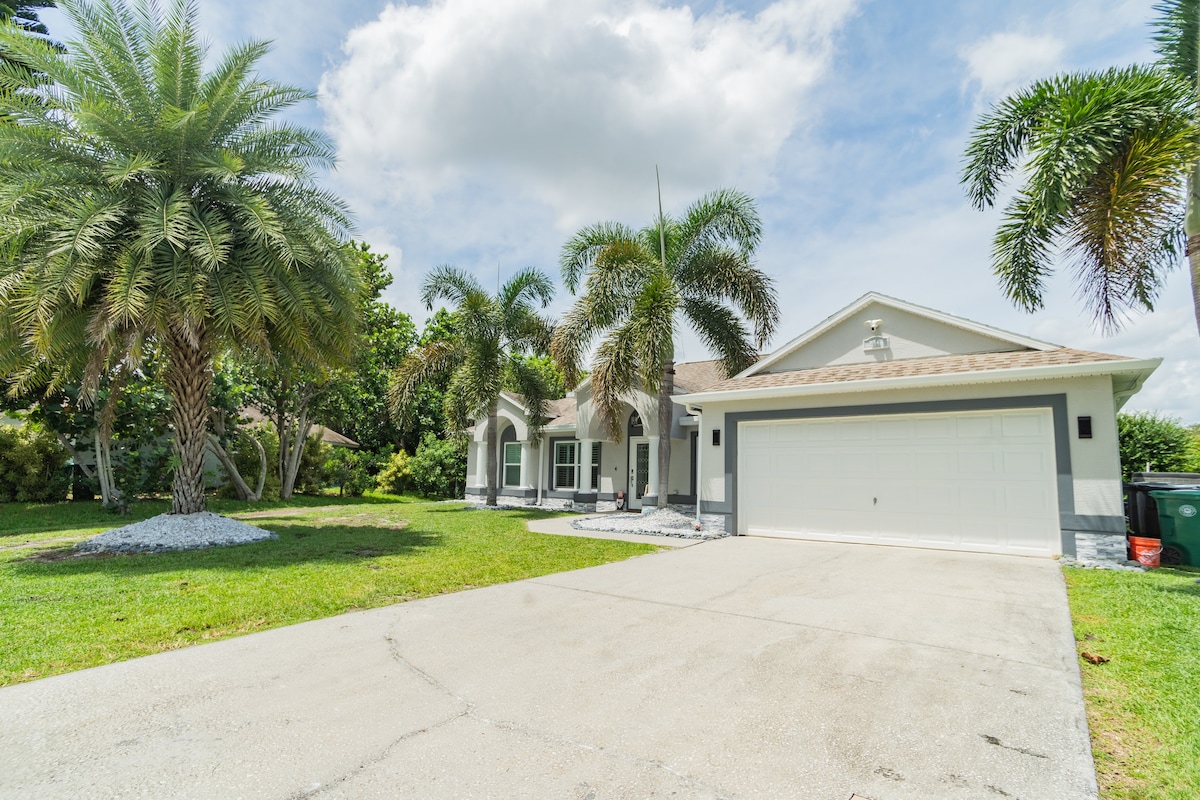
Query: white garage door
[981, 481]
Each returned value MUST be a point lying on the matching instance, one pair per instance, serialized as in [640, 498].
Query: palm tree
[639, 285]
[148, 205]
[1109, 161]
[1177, 33]
[486, 355]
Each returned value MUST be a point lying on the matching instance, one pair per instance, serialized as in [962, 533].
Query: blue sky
[483, 132]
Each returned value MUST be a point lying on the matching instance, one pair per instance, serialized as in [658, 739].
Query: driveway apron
[739, 668]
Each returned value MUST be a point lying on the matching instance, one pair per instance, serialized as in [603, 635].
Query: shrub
[396, 475]
[439, 467]
[311, 477]
[350, 470]
[1148, 438]
[33, 466]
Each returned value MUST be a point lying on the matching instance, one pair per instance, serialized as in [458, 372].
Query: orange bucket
[1145, 551]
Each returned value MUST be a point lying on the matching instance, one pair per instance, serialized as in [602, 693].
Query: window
[564, 464]
[512, 464]
[595, 484]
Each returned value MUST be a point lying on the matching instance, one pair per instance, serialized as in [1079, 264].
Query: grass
[61, 612]
[1143, 705]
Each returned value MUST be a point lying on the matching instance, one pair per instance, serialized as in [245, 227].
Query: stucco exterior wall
[909, 336]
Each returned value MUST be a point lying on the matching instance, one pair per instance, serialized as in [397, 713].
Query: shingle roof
[690, 376]
[930, 365]
[562, 412]
[696, 376]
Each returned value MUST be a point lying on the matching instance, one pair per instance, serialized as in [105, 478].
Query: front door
[639, 470]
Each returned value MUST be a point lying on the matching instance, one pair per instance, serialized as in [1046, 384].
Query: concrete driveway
[741, 668]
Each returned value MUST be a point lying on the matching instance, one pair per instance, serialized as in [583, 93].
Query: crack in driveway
[809, 625]
[470, 711]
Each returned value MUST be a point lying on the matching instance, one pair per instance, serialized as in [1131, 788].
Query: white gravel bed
[1129, 566]
[660, 522]
[175, 532]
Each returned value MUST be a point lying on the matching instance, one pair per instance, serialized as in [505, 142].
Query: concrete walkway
[739, 668]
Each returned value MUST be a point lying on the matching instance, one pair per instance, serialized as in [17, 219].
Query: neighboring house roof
[1015, 365]
[328, 435]
[826, 325]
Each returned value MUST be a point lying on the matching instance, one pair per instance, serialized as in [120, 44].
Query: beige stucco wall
[1095, 462]
[909, 336]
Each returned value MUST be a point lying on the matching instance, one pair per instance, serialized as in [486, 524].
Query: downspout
[698, 412]
[538, 449]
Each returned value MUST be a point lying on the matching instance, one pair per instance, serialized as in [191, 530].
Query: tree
[639, 285]
[1150, 442]
[355, 403]
[493, 333]
[1107, 158]
[149, 203]
[23, 14]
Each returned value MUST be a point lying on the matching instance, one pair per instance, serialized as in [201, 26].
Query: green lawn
[1144, 704]
[60, 612]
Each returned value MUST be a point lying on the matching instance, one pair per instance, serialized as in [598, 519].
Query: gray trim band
[1057, 403]
[1093, 523]
[510, 492]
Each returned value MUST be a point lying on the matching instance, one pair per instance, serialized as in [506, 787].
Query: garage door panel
[1030, 463]
[937, 463]
[939, 427]
[977, 464]
[981, 481]
[1024, 426]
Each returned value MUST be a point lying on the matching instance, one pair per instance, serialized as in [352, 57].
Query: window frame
[573, 465]
[506, 464]
[594, 470]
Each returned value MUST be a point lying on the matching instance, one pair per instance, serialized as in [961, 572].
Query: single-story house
[887, 423]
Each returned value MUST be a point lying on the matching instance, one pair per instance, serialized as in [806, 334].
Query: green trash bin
[1179, 523]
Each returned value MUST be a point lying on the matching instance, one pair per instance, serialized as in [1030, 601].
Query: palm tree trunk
[666, 386]
[492, 421]
[189, 382]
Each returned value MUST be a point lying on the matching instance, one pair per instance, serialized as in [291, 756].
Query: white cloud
[572, 104]
[1004, 61]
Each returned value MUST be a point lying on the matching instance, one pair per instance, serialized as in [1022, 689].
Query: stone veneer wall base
[1100, 547]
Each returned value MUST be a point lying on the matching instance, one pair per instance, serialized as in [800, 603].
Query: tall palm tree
[485, 357]
[638, 286]
[1177, 33]
[1105, 157]
[150, 205]
[1110, 164]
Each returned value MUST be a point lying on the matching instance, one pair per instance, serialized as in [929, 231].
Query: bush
[1148, 438]
[396, 475]
[350, 471]
[33, 466]
[439, 467]
[311, 477]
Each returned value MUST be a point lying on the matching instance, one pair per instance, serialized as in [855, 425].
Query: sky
[483, 133]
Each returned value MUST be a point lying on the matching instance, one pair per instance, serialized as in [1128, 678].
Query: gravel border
[1127, 566]
[660, 522]
[168, 532]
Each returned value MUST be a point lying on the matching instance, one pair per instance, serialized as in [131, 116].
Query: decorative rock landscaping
[660, 522]
[175, 532]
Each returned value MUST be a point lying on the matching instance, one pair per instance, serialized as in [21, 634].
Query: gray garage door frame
[1069, 522]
